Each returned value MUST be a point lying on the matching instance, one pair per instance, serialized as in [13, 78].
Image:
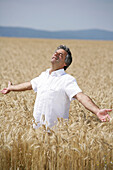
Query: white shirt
[54, 94]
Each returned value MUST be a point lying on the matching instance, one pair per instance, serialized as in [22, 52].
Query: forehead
[61, 51]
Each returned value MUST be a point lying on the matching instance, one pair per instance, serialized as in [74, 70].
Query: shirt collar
[57, 73]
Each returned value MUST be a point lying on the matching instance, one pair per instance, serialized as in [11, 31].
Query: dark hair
[68, 59]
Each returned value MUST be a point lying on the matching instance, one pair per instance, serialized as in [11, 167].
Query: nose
[56, 54]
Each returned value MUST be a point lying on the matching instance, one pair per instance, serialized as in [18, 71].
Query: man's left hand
[103, 115]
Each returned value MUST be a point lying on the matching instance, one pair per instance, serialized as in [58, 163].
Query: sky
[55, 15]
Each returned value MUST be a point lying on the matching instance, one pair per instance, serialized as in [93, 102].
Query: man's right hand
[19, 87]
[6, 90]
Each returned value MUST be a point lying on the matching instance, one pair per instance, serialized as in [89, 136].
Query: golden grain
[83, 142]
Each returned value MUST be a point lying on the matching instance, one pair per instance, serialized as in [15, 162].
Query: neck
[53, 69]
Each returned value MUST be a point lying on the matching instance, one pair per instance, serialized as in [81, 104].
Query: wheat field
[83, 142]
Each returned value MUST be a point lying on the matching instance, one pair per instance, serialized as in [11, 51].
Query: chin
[53, 60]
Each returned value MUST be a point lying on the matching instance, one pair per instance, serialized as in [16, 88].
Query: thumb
[9, 83]
[108, 110]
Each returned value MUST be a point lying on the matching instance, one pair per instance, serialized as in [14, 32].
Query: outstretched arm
[87, 102]
[18, 87]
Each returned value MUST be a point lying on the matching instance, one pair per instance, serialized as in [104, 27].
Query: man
[55, 90]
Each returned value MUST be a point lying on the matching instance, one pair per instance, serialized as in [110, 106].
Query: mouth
[56, 58]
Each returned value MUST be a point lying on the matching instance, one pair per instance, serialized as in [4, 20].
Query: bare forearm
[90, 105]
[87, 102]
[21, 87]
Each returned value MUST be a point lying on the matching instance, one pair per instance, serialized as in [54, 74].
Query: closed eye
[59, 54]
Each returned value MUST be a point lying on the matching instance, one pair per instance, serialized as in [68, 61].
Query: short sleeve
[37, 81]
[72, 88]
[34, 83]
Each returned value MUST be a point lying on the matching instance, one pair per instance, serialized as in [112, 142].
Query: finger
[106, 118]
[108, 110]
[2, 90]
[109, 117]
[103, 120]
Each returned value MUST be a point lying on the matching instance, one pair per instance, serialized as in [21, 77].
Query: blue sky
[57, 14]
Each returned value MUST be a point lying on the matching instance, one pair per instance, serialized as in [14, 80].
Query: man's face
[58, 58]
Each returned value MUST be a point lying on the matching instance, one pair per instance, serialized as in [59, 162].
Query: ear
[65, 64]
